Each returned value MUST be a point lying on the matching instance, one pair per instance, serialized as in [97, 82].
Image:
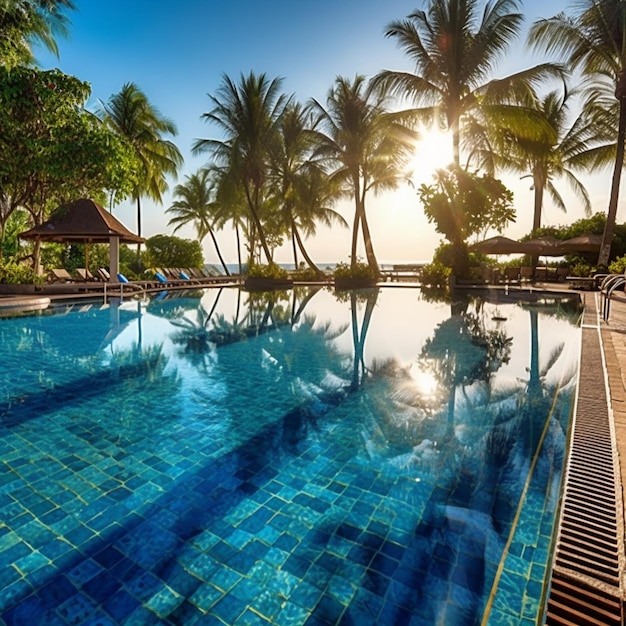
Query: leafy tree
[454, 45]
[365, 145]
[130, 114]
[54, 151]
[196, 205]
[25, 21]
[593, 40]
[247, 114]
[462, 204]
[170, 251]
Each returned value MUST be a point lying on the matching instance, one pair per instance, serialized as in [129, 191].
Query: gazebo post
[114, 258]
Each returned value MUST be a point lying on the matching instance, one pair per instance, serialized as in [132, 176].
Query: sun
[432, 152]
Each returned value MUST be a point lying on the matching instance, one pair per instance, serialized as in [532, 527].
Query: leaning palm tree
[131, 115]
[247, 114]
[196, 205]
[366, 147]
[302, 188]
[593, 40]
[23, 22]
[455, 45]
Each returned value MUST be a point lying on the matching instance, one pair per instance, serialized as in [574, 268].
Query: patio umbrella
[543, 246]
[584, 243]
[498, 245]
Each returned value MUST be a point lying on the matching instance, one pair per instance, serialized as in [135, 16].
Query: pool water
[219, 457]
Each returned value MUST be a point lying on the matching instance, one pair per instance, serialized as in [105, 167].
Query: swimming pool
[301, 458]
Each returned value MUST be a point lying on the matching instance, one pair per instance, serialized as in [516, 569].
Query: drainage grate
[585, 585]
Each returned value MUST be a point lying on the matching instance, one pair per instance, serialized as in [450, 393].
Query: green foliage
[170, 251]
[582, 268]
[52, 148]
[359, 270]
[307, 274]
[618, 266]
[435, 274]
[13, 273]
[462, 204]
[271, 270]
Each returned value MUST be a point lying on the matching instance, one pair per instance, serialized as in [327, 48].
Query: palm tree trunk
[238, 236]
[253, 204]
[217, 249]
[355, 228]
[293, 246]
[305, 254]
[367, 240]
[609, 228]
[138, 227]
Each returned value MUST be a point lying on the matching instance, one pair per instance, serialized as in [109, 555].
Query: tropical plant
[23, 22]
[303, 189]
[366, 148]
[462, 204]
[130, 114]
[247, 114]
[454, 45]
[196, 205]
[593, 41]
[170, 251]
[554, 154]
[52, 149]
[13, 273]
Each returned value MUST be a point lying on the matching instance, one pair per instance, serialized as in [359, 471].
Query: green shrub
[307, 274]
[12, 273]
[580, 268]
[267, 271]
[360, 270]
[435, 274]
[618, 266]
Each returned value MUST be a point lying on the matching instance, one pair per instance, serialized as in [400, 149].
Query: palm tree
[594, 42]
[367, 145]
[131, 115]
[303, 189]
[552, 155]
[247, 114]
[454, 45]
[196, 205]
[25, 21]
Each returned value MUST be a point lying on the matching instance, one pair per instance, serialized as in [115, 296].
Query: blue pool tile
[228, 609]
[77, 608]
[120, 605]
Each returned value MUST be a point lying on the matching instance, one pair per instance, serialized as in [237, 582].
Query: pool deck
[589, 568]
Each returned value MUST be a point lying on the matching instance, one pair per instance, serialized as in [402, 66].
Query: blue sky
[177, 53]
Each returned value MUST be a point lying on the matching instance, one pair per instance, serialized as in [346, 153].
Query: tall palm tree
[593, 40]
[552, 155]
[131, 115]
[302, 188]
[196, 205]
[454, 46]
[247, 114]
[23, 22]
[366, 146]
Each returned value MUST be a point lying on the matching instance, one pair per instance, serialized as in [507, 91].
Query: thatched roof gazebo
[85, 221]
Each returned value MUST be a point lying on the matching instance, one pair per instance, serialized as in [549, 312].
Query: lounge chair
[104, 275]
[60, 275]
[85, 274]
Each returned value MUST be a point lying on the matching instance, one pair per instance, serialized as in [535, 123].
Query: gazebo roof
[83, 221]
